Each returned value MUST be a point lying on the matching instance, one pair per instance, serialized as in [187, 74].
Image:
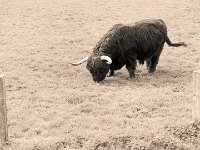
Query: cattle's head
[97, 65]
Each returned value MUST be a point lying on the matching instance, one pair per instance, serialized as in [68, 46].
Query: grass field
[54, 106]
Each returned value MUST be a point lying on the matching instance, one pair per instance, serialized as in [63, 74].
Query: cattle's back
[158, 24]
[149, 34]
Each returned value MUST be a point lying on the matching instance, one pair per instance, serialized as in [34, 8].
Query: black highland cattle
[124, 45]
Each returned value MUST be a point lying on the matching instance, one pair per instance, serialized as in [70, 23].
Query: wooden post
[3, 113]
[196, 99]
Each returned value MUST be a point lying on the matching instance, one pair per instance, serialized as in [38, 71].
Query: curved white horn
[80, 62]
[108, 59]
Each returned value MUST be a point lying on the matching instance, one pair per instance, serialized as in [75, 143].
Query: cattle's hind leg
[152, 64]
[131, 67]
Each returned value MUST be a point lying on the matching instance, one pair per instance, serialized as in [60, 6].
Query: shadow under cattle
[160, 78]
[172, 76]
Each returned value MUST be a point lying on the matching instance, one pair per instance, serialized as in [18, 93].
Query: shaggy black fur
[124, 44]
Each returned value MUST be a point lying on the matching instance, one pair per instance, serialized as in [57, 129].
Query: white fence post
[196, 99]
[3, 113]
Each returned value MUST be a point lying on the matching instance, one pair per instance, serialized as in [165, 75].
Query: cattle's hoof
[132, 76]
[152, 70]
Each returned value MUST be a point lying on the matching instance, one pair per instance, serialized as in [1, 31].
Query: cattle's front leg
[110, 73]
[131, 67]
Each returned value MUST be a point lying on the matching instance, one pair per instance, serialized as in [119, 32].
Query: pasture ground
[53, 105]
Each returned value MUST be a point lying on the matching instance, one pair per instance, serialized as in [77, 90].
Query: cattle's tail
[174, 44]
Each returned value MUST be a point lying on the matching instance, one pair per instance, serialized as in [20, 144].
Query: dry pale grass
[52, 105]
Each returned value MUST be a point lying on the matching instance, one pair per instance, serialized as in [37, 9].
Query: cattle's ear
[107, 59]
